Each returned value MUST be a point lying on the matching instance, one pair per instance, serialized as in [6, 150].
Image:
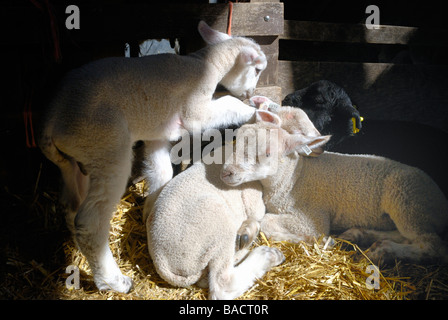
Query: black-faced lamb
[104, 107]
[329, 108]
[369, 198]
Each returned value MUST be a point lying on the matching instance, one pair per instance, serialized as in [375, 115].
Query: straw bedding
[310, 271]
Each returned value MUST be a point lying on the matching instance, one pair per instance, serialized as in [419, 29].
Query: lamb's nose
[226, 174]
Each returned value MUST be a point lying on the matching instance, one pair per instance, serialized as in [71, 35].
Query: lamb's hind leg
[387, 246]
[229, 282]
[428, 248]
[291, 227]
[75, 180]
[92, 223]
[366, 237]
[419, 211]
[76, 185]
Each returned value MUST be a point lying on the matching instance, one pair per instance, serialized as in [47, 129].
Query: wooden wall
[398, 72]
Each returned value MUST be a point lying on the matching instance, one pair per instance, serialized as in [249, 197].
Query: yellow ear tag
[355, 129]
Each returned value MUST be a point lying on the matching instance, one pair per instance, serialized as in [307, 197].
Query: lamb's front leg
[226, 111]
[290, 227]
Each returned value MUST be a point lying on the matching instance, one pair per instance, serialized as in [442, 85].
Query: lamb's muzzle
[229, 177]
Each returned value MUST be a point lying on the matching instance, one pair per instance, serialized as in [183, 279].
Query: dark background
[30, 67]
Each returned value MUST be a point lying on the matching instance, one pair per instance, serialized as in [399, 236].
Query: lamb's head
[293, 120]
[329, 108]
[242, 78]
[260, 147]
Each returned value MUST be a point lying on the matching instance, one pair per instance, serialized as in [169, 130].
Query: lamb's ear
[266, 116]
[306, 145]
[259, 102]
[264, 103]
[210, 35]
[250, 56]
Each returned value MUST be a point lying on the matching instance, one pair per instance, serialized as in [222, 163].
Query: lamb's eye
[268, 154]
[257, 71]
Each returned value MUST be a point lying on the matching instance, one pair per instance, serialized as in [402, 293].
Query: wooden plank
[257, 19]
[380, 90]
[117, 22]
[269, 76]
[272, 92]
[358, 33]
[269, 45]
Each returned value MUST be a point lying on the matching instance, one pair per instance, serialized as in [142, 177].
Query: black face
[329, 108]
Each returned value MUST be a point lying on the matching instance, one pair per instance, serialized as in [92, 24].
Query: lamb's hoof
[246, 234]
[119, 283]
[358, 236]
[353, 235]
[382, 252]
[242, 241]
[328, 243]
[274, 256]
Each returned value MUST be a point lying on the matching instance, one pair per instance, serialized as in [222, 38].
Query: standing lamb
[370, 197]
[193, 224]
[103, 108]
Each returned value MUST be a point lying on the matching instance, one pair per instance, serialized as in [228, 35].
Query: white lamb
[199, 228]
[374, 198]
[103, 108]
[193, 226]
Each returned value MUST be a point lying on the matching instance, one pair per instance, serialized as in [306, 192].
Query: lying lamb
[331, 110]
[414, 144]
[195, 221]
[192, 228]
[369, 197]
[103, 108]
